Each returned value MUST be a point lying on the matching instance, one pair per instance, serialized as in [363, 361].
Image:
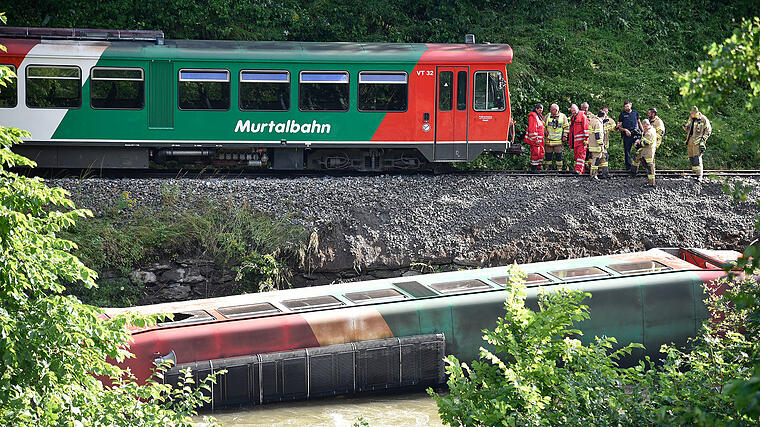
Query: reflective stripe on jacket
[579, 128]
[535, 133]
[557, 127]
[595, 135]
[699, 129]
[659, 128]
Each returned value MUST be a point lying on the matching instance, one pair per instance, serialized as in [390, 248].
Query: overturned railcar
[393, 333]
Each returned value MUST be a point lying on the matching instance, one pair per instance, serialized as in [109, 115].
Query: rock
[384, 274]
[143, 277]
[193, 279]
[159, 267]
[411, 273]
[173, 292]
[173, 275]
[466, 262]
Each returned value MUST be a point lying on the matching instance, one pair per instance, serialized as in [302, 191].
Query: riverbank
[359, 228]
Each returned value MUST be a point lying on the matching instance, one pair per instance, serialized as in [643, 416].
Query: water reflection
[412, 409]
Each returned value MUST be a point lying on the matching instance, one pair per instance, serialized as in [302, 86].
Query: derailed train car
[393, 333]
[121, 99]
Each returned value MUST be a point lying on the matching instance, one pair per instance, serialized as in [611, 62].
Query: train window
[583, 273]
[461, 90]
[375, 295]
[639, 267]
[383, 91]
[312, 302]
[248, 310]
[204, 90]
[188, 317]
[415, 289]
[445, 90]
[488, 91]
[532, 279]
[264, 90]
[323, 91]
[117, 88]
[9, 92]
[53, 87]
[460, 286]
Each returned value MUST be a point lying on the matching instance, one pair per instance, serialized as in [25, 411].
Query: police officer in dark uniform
[630, 127]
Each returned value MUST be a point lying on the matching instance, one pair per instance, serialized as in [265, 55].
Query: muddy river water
[409, 409]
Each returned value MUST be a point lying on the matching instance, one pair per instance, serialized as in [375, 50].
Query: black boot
[634, 171]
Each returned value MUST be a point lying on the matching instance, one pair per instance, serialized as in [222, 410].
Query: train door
[161, 84]
[451, 113]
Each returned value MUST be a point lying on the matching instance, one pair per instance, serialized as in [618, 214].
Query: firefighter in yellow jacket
[595, 143]
[645, 151]
[659, 126]
[608, 124]
[698, 129]
[557, 129]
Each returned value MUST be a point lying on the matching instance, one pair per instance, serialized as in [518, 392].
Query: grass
[127, 236]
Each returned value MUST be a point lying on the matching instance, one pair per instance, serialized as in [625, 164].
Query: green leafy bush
[539, 373]
[54, 349]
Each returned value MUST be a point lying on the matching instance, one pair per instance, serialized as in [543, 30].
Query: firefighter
[557, 128]
[645, 148]
[535, 138]
[608, 124]
[595, 143]
[698, 129]
[658, 125]
[578, 137]
[584, 108]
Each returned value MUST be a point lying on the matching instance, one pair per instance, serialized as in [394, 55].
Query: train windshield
[488, 92]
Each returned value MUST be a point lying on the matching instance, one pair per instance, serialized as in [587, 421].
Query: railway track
[212, 173]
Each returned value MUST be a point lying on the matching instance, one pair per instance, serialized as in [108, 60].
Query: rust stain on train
[350, 325]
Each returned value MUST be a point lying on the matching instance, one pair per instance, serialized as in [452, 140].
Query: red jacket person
[535, 138]
[578, 137]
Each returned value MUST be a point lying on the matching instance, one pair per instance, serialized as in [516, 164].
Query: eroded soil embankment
[384, 226]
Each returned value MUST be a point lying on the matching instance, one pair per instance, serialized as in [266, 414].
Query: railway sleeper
[383, 364]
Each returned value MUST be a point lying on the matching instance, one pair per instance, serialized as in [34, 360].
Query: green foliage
[732, 68]
[261, 273]
[538, 372]
[54, 349]
[714, 382]
[110, 292]
[128, 235]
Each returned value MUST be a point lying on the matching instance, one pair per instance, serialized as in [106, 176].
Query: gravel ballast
[382, 223]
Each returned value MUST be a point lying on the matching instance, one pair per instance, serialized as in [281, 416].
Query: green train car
[121, 99]
[391, 333]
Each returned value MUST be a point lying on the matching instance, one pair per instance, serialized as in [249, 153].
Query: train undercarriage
[313, 159]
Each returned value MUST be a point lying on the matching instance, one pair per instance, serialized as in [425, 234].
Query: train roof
[600, 268]
[137, 45]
